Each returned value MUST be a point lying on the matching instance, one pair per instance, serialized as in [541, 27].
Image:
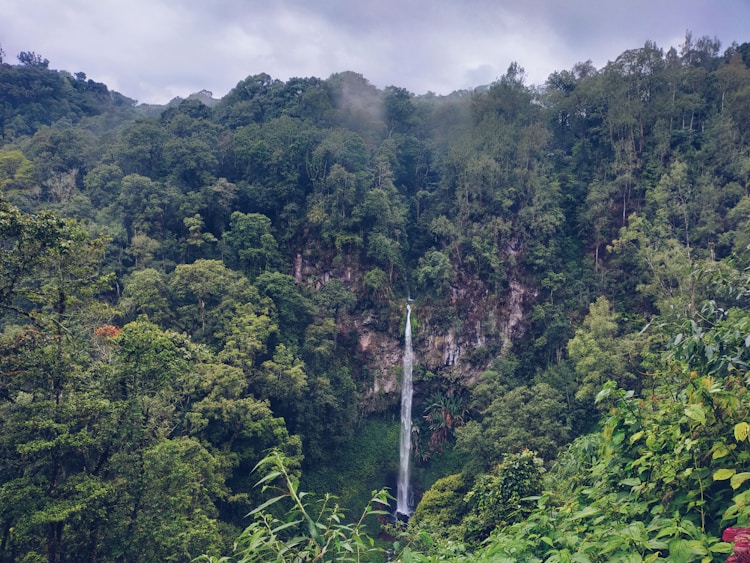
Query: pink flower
[742, 547]
[741, 539]
[730, 534]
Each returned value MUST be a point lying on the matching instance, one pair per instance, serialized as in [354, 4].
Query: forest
[203, 308]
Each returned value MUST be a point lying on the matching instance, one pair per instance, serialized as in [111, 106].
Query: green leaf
[722, 547]
[632, 482]
[720, 451]
[270, 477]
[285, 525]
[656, 544]
[269, 502]
[738, 479]
[741, 431]
[585, 512]
[680, 551]
[742, 499]
[696, 412]
[635, 437]
[723, 474]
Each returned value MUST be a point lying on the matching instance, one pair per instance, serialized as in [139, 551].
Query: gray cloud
[153, 50]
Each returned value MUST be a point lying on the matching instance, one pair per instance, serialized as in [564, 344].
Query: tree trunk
[54, 542]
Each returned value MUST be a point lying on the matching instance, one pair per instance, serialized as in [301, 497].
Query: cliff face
[460, 334]
[486, 328]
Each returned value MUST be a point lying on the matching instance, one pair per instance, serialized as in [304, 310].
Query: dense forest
[202, 310]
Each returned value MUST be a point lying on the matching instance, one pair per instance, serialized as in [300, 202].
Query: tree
[400, 111]
[144, 204]
[30, 58]
[164, 483]
[53, 441]
[676, 204]
[102, 184]
[205, 296]
[335, 298]
[332, 208]
[670, 279]
[283, 380]
[598, 353]
[434, 273]
[248, 335]
[505, 495]
[190, 160]
[385, 252]
[598, 215]
[199, 243]
[49, 277]
[327, 418]
[140, 150]
[146, 293]
[49, 265]
[529, 416]
[249, 101]
[218, 201]
[239, 429]
[171, 492]
[377, 284]
[251, 244]
[292, 306]
[444, 413]
[16, 180]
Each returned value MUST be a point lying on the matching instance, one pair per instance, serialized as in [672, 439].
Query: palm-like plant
[444, 413]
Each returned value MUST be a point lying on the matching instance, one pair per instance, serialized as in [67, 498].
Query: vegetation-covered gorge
[185, 288]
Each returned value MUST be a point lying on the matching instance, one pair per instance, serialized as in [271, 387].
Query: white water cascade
[402, 497]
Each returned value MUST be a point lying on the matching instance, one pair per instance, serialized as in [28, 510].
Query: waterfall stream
[402, 497]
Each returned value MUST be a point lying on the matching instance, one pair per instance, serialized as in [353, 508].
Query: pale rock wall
[485, 320]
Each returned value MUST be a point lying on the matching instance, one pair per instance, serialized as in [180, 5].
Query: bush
[442, 507]
[504, 496]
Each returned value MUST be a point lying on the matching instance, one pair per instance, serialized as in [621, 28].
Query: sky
[155, 50]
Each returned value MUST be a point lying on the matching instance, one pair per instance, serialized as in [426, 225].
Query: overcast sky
[154, 50]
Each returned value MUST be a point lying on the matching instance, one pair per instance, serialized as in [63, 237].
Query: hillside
[186, 287]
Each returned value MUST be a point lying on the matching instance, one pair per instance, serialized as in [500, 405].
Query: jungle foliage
[184, 289]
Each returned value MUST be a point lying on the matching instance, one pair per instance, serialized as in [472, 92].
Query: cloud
[153, 50]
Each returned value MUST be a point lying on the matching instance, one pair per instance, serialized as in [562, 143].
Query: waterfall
[402, 497]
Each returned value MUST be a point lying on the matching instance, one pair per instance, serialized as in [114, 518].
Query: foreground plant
[307, 531]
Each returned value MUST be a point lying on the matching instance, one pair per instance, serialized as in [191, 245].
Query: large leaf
[741, 431]
[723, 474]
[720, 450]
[680, 551]
[696, 412]
[738, 479]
